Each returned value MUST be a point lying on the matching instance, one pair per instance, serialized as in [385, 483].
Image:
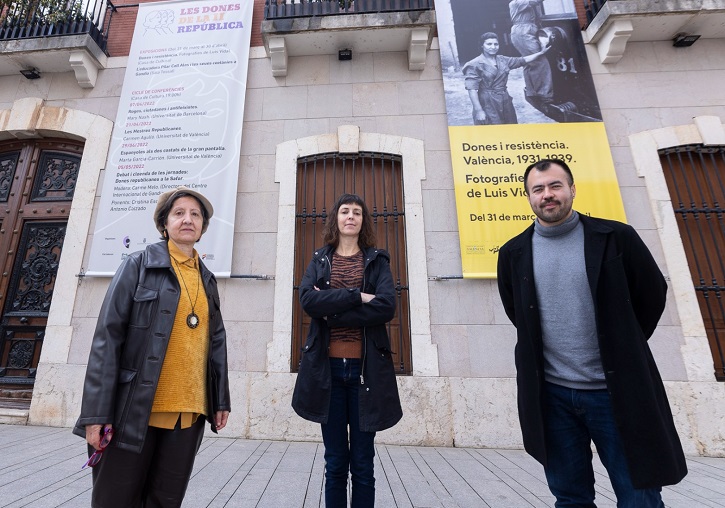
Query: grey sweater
[568, 321]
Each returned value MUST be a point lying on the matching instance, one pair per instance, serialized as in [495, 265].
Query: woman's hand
[534, 56]
[479, 116]
[220, 419]
[366, 297]
[93, 434]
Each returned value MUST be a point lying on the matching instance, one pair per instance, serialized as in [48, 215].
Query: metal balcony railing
[30, 19]
[276, 9]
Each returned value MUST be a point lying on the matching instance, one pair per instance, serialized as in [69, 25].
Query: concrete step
[14, 410]
[14, 416]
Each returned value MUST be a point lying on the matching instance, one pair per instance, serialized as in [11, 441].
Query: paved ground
[40, 468]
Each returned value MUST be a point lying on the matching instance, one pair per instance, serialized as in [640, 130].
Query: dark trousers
[342, 457]
[575, 418]
[155, 478]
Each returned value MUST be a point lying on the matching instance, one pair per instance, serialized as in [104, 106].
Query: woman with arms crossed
[346, 376]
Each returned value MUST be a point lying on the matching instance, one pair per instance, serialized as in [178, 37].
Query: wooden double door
[37, 183]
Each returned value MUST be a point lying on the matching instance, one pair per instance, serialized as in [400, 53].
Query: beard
[553, 215]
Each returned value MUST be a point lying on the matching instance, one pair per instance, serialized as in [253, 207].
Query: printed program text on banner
[179, 122]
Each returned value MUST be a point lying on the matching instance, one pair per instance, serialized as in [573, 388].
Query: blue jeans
[573, 419]
[342, 456]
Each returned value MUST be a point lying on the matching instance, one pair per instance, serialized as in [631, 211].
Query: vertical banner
[518, 89]
[179, 122]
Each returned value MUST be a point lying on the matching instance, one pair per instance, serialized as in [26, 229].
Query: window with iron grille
[695, 176]
[378, 180]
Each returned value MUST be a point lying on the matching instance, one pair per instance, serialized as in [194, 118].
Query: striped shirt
[347, 272]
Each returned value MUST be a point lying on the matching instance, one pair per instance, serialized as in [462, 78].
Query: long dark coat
[629, 291]
[379, 400]
[129, 346]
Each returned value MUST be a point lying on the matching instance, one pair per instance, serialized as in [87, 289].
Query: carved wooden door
[37, 182]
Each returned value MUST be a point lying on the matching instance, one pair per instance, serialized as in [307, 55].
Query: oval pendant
[192, 320]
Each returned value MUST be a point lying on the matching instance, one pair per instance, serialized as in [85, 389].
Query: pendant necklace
[192, 320]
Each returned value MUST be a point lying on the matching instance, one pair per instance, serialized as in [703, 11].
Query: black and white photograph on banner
[514, 61]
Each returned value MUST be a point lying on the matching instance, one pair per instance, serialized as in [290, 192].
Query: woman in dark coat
[346, 377]
[158, 365]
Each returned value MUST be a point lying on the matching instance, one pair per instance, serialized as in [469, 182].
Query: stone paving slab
[40, 468]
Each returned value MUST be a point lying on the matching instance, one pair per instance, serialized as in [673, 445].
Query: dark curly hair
[331, 233]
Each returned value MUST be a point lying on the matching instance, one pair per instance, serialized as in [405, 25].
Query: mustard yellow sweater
[181, 391]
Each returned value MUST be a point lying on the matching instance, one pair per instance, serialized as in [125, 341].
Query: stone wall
[463, 388]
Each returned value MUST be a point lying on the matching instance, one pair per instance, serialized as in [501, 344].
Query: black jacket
[129, 346]
[379, 400]
[629, 292]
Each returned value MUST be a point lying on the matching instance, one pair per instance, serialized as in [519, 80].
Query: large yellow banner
[488, 168]
[518, 89]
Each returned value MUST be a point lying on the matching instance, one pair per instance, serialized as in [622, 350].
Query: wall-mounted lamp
[684, 40]
[31, 73]
[344, 54]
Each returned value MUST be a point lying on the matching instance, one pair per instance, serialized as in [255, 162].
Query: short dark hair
[163, 212]
[331, 233]
[545, 164]
[486, 36]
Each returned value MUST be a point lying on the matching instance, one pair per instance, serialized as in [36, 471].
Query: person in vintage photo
[486, 77]
[525, 26]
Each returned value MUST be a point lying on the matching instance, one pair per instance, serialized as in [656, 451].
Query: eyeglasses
[95, 457]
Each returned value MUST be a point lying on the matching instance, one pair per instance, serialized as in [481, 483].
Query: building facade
[304, 103]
